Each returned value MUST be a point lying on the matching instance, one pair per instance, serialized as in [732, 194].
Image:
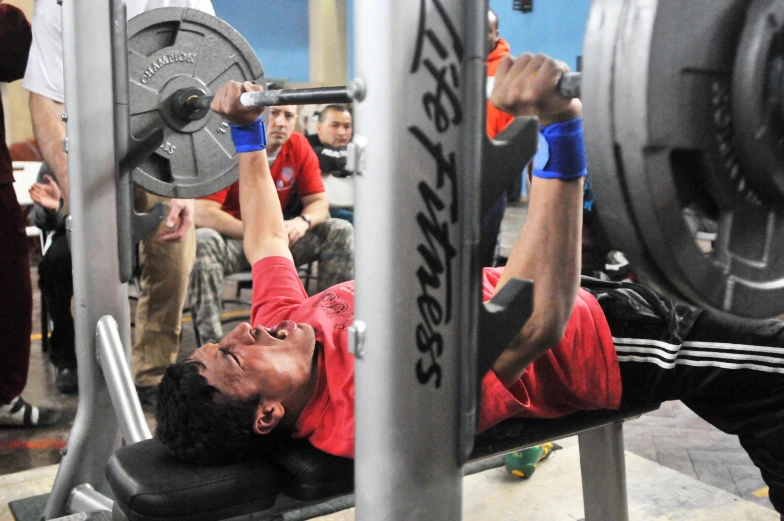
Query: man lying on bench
[289, 372]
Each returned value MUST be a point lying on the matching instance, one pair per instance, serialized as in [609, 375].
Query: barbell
[176, 59]
[684, 119]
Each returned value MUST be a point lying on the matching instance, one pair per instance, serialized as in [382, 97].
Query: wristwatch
[306, 218]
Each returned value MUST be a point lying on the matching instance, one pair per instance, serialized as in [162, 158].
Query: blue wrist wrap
[248, 138]
[567, 151]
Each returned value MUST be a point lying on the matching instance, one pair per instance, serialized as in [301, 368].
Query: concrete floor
[672, 437]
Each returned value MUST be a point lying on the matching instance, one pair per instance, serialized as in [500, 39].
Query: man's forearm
[49, 131]
[317, 210]
[262, 216]
[220, 221]
[547, 251]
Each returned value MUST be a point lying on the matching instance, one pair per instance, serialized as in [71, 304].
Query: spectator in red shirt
[312, 235]
[16, 291]
[607, 344]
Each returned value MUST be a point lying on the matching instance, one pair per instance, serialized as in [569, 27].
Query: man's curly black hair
[199, 424]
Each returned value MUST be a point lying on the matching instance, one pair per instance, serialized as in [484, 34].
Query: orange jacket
[496, 119]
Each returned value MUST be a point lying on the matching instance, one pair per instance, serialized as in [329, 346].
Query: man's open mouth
[280, 331]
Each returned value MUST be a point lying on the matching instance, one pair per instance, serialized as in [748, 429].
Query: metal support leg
[89, 100]
[85, 499]
[410, 53]
[419, 186]
[603, 469]
[113, 358]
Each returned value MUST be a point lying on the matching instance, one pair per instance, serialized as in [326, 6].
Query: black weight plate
[663, 146]
[171, 49]
[758, 98]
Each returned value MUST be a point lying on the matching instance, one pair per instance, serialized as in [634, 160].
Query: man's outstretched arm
[264, 233]
[548, 248]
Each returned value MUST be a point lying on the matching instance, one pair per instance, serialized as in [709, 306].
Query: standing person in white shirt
[172, 245]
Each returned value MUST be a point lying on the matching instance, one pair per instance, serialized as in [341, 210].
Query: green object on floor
[523, 463]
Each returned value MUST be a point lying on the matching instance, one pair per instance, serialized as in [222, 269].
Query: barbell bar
[354, 91]
[195, 103]
[569, 85]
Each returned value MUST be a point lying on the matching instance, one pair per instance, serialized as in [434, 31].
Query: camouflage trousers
[331, 243]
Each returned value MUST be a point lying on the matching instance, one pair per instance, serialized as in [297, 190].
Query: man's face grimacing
[282, 120]
[274, 364]
[336, 129]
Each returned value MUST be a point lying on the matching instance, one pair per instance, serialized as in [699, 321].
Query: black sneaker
[19, 413]
[615, 262]
[67, 381]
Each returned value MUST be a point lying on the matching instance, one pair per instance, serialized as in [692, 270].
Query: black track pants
[729, 371]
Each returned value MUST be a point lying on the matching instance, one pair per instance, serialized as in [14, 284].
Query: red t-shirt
[580, 373]
[296, 169]
[328, 419]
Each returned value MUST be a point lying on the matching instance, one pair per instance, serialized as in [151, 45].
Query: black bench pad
[516, 434]
[309, 474]
[150, 485]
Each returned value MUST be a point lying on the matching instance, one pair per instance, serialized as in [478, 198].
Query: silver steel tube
[603, 470]
[410, 54]
[569, 86]
[473, 131]
[87, 57]
[84, 498]
[113, 358]
[317, 95]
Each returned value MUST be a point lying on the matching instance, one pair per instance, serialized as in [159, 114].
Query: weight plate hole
[157, 37]
[700, 211]
[163, 166]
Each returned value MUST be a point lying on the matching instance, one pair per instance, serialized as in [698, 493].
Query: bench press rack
[418, 321]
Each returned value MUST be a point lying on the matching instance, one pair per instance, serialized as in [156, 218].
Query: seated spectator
[334, 131]
[311, 235]
[335, 127]
[291, 375]
[55, 278]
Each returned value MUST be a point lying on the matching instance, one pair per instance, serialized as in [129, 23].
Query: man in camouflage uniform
[313, 236]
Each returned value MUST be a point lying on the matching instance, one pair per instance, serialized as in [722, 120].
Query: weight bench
[303, 482]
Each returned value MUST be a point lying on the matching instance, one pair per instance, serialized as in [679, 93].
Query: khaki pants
[166, 268]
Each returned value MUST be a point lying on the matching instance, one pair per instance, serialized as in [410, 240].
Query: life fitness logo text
[437, 62]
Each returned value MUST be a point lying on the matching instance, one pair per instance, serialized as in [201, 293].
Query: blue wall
[276, 29]
[555, 27]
